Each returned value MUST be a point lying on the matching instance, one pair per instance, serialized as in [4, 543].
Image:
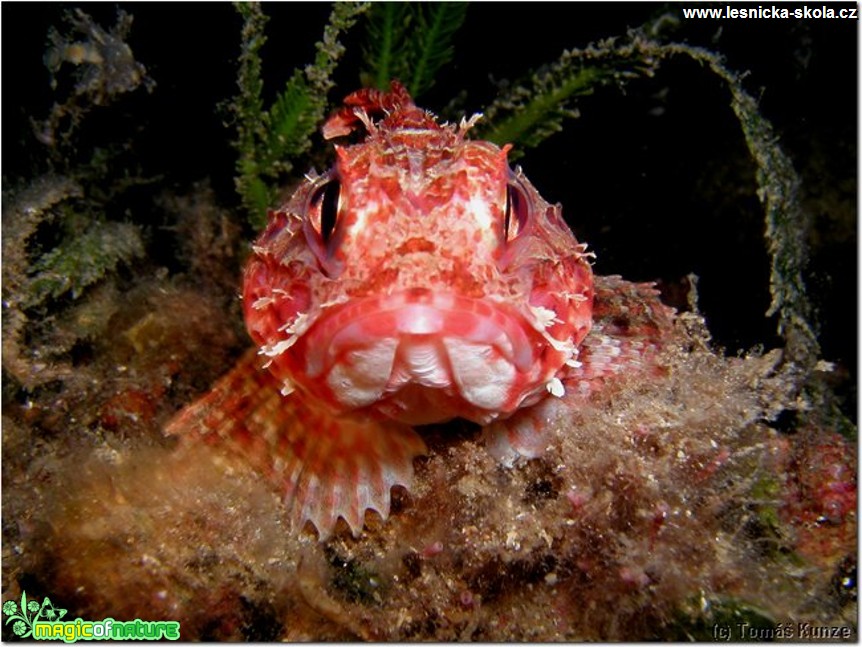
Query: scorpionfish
[420, 279]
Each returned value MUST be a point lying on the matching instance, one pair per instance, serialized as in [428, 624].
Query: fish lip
[420, 313]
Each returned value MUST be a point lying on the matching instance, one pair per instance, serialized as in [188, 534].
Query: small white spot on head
[365, 119]
[287, 388]
[555, 387]
[467, 124]
[544, 316]
[298, 325]
[566, 346]
[274, 350]
[480, 211]
[261, 303]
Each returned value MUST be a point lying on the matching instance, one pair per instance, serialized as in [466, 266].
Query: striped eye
[322, 232]
[517, 211]
[323, 209]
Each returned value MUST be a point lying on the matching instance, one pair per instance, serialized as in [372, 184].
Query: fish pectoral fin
[630, 326]
[526, 434]
[327, 466]
[342, 466]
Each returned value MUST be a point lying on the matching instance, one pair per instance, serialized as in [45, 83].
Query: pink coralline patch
[634, 577]
[432, 550]
[822, 497]
[578, 499]
[466, 599]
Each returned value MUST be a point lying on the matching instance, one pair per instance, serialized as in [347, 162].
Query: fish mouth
[421, 356]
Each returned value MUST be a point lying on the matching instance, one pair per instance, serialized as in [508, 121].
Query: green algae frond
[787, 225]
[410, 42]
[531, 110]
[271, 140]
[60, 239]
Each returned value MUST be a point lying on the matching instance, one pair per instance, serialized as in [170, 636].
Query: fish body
[420, 279]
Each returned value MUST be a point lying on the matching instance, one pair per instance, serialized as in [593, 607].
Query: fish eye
[517, 211]
[323, 209]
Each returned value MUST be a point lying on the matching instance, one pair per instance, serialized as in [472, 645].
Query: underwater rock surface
[662, 499]
[713, 495]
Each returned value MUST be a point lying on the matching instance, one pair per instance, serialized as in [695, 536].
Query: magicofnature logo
[44, 621]
[31, 611]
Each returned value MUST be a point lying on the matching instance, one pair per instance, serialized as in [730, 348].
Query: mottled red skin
[422, 213]
[418, 280]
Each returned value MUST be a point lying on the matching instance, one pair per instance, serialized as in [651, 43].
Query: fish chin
[421, 357]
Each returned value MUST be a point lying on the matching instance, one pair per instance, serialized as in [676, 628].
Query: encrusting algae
[592, 540]
[622, 479]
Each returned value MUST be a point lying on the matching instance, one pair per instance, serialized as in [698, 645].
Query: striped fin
[327, 466]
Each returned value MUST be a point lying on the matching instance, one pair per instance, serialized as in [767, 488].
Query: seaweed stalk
[410, 42]
[385, 49]
[436, 26]
[269, 142]
[786, 222]
[528, 112]
[248, 105]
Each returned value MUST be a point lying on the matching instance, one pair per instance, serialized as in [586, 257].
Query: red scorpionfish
[421, 279]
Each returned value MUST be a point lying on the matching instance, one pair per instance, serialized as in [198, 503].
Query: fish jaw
[421, 357]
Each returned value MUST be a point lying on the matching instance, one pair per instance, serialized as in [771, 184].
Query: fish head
[421, 278]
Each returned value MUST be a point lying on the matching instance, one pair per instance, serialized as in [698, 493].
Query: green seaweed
[82, 260]
[436, 25]
[410, 42]
[59, 240]
[270, 141]
[787, 227]
[527, 112]
[386, 38]
[248, 105]
[39, 285]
